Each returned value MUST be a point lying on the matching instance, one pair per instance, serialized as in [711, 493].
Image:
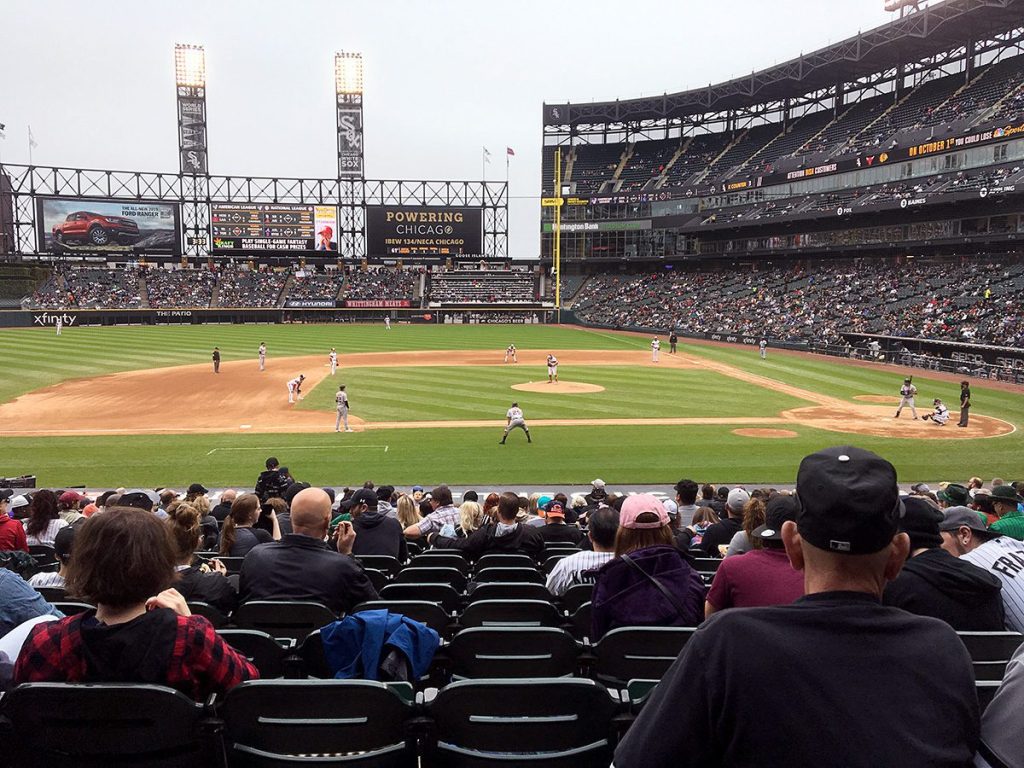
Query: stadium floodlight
[348, 73]
[190, 65]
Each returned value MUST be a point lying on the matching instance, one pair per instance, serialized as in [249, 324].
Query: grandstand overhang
[932, 32]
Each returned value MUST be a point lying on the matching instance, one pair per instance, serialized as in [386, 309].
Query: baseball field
[142, 406]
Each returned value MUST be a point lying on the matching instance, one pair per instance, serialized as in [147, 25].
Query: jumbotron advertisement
[77, 224]
[273, 227]
[403, 230]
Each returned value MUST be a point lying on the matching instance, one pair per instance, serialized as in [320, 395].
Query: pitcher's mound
[559, 387]
[765, 433]
[877, 399]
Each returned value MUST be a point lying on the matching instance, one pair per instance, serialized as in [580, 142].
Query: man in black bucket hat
[849, 673]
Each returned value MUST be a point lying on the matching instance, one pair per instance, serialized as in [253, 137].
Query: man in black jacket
[377, 533]
[273, 481]
[301, 567]
[556, 529]
[935, 583]
[504, 536]
[721, 533]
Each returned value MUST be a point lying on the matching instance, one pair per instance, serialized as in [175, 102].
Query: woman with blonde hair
[408, 511]
[471, 517]
[239, 535]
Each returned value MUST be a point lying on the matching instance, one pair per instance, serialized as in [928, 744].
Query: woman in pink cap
[649, 582]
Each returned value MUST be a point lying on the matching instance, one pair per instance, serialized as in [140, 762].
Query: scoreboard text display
[273, 226]
[405, 230]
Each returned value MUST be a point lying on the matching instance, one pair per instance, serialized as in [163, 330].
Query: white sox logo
[348, 128]
[46, 319]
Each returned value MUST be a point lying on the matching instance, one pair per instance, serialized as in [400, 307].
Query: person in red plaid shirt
[141, 630]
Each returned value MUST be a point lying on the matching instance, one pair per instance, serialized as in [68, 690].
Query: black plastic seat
[330, 722]
[425, 612]
[65, 724]
[232, 564]
[499, 652]
[501, 590]
[44, 554]
[53, 594]
[518, 575]
[638, 653]
[510, 613]
[580, 621]
[384, 563]
[213, 615]
[441, 558]
[72, 608]
[576, 596]
[550, 562]
[292, 619]
[505, 560]
[986, 690]
[707, 564]
[540, 723]
[421, 575]
[991, 646]
[443, 595]
[262, 650]
[378, 579]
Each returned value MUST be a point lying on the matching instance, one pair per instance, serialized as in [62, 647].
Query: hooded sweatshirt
[377, 533]
[934, 583]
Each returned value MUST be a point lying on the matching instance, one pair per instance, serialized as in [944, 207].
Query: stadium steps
[627, 154]
[994, 110]
[736, 141]
[883, 115]
[955, 96]
[214, 295]
[570, 161]
[285, 291]
[143, 293]
[668, 166]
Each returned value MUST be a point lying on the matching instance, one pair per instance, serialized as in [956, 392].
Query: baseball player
[262, 353]
[965, 403]
[387, 322]
[655, 349]
[295, 388]
[510, 352]
[552, 369]
[342, 400]
[216, 360]
[333, 358]
[940, 415]
[514, 420]
[763, 346]
[907, 392]
[60, 324]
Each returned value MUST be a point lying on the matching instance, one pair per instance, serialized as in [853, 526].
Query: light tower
[190, 82]
[348, 87]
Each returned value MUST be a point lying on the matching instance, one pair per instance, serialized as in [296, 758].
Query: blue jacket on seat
[355, 646]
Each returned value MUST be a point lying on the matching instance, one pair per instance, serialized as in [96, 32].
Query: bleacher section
[381, 283]
[483, 287]
[316, 287]
[594, 165]
[180, 288]
[245, 288]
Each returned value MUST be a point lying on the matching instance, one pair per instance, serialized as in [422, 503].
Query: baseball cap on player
[634, 506]
[849, 501]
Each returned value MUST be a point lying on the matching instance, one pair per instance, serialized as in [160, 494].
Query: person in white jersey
[763, 346]
[514, 420]
[295, 388]
[907, 393]
[655, 349]
[333, 359]
[342, 400]
[262, 353]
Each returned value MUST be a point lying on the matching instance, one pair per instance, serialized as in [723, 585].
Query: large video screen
[80, 225]
[405, 230]
[273, 227]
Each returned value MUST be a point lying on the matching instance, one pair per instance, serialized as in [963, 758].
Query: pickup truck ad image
[79, 224]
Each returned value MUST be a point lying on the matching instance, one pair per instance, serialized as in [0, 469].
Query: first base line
[302, 448]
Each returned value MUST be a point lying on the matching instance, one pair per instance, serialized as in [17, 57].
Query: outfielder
[510, 351]
[295, 388]
[514, 420]
[655, 349]
[552, 369]
[333, 358]
[60, 324]
[907, 392]
[262, 353]
[940, 415]
[387, 322]
[763, 346]
[342, 400]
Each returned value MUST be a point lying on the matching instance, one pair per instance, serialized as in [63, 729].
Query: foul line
[301, 448]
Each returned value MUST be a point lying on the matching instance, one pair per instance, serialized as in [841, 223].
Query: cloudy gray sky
[95, 79]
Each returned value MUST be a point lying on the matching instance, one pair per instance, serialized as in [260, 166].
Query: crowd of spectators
[307, 284]
[250, 288]
[90, 288]
[882, 571]
[971, 301]
[482, 287]
[180, 287]
[381, 283]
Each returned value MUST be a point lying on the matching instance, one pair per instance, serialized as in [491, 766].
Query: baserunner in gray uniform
[342, 400]
[514, 419]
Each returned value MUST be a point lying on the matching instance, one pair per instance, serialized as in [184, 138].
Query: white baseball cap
[599, 483]
[19, 501]
[737, 498]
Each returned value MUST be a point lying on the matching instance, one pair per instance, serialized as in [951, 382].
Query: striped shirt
[1004, 557]
[438, 519]
[47, 579]
[48, 535]
[569, 570]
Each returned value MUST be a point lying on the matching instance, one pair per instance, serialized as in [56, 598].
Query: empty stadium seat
[575, 596]
[262, 650]
[213, 615]
[504, 560]
[631, 653]
[497, 652]
[991, 646]
[293, 619]
[70, 608]
[423, 575]
[53, 594]
[441, 558]
[443, 595]
[519, 575]
[385, 563]
[509, 590]
[510, 613]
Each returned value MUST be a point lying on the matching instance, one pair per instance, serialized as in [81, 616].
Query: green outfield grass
[635, 454]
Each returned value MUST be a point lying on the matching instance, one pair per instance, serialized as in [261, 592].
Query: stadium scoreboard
[273, 226]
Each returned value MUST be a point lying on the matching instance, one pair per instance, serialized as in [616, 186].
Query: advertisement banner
[378, 303]
[74, 224]
[407, 230]
[309, 303]
[598, 226]
[350, 141]
[273, 226]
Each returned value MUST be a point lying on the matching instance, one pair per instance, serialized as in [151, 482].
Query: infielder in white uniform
[342, 400]
[60, 324]
[262, 353]
[655, 349]
[387, 323]
[333, 358]
[514, 420]
[940, 415]
[907, 392]
[295, 388]
[763, 346]
[510, 352]
[552, 369]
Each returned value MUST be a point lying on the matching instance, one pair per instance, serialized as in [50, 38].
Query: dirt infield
[769, 433]
[559, 387]
[887, 399]
[192, 399]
